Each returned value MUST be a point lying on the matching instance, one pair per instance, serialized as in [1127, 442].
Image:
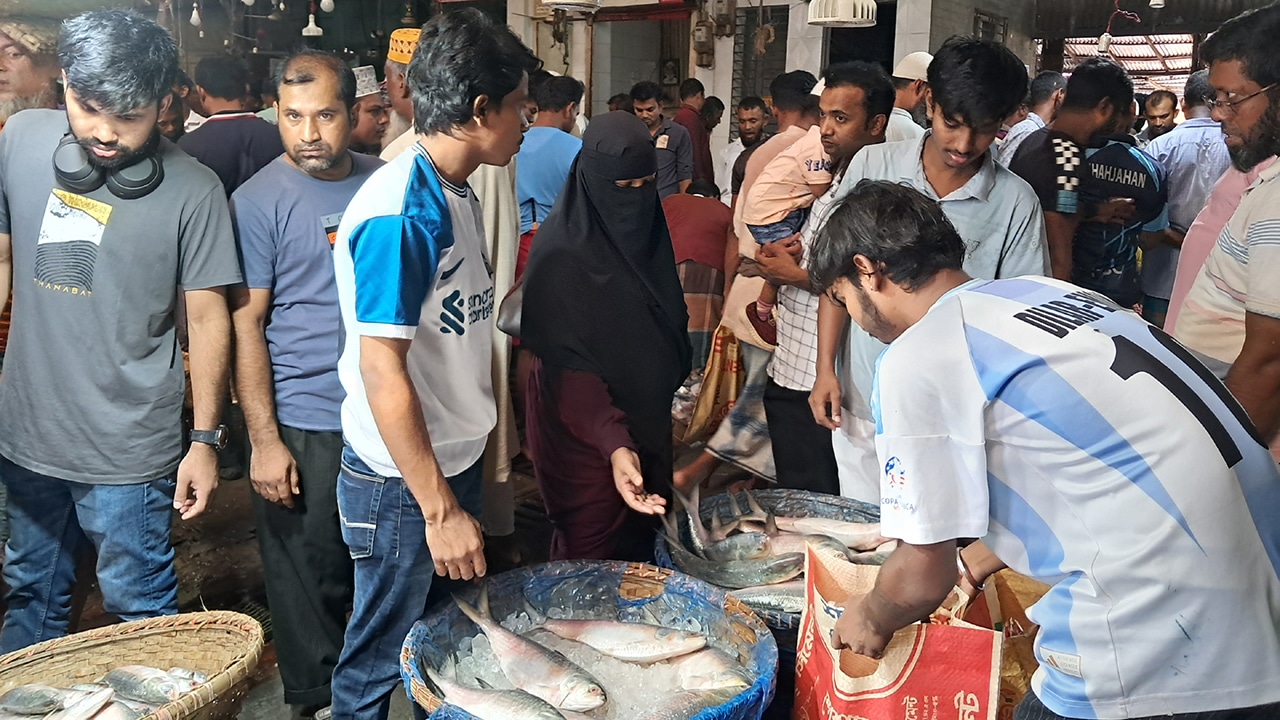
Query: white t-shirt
[1091, 452]
[410, 263]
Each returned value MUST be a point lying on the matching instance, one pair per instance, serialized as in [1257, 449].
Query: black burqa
[601, 294]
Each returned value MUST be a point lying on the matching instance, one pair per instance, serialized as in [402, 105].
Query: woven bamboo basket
[223, 645]
[612, 590]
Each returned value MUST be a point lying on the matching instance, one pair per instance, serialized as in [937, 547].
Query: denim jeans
[49, 522]
[383, 527]
[1032, 709]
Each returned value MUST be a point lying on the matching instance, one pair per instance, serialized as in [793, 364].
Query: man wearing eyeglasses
[1231, 316]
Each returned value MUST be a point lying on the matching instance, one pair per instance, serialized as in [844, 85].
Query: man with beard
[286, 322]
[751, 115]
[1231, 316]
[911, 87]
[100, 240]
[369, 116]
[973, 85]
[1085, 449]
[1160, 110]
[1098, 103]
[28, 66]
[170, 123]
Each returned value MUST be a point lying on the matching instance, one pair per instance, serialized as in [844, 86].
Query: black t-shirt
[233, 145]
[740, 165]
[1071, 180]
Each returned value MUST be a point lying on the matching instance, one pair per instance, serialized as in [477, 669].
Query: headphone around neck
[74, 171]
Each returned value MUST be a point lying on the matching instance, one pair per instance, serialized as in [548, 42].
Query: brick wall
[955, 17]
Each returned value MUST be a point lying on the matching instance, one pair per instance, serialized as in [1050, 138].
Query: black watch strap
[216, 437]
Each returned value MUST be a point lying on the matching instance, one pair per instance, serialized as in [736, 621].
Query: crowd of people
[947, 282]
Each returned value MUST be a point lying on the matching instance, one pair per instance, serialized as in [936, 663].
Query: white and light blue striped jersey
[410, 263]
[1091, 452]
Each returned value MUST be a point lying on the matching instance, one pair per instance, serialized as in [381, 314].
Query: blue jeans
[49, 522]
[383, 527]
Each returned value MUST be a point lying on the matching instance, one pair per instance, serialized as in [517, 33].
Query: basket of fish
[180, 667]
[602, 640]
[752, 544]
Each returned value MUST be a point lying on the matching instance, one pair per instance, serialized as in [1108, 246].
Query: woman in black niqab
[604, 315]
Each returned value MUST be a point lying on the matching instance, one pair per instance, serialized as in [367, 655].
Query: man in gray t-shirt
[92, 393]
[288, 338]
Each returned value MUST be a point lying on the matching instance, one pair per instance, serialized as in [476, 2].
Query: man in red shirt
[692, 96]
[702, 236]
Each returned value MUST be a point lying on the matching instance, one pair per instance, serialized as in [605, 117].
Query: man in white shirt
[1085, 449]
[752, 115]
[911, 87]
[1046, 97]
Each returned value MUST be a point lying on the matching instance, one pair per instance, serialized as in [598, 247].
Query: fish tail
[472, 613]
[483, 607]
[770, 525]
[734, 508]
[434, 681]
[539, 619]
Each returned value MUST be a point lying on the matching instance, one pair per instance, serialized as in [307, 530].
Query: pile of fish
[125, 693]
[758, 556]
[544, 668]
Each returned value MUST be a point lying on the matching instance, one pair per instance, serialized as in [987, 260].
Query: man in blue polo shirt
[546, 155]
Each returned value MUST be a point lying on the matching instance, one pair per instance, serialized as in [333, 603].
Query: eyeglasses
[1229, 107]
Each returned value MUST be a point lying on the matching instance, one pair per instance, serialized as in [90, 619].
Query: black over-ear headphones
[74, 172]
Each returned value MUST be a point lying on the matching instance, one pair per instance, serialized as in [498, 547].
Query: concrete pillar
[912, 32]
[806, 44]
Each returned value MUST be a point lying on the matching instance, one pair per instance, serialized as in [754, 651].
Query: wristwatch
[216, 437]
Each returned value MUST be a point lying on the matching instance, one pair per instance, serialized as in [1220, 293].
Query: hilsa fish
[685, 704]
[534, 668]
[632, 642]
[492, 704]
[86, 707]
[710, 670]
[144, 684]
[786, 597]
[737, 573]
[33, 699]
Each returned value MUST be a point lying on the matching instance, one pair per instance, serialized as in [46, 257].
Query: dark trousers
[1032, 709]
[802, 452]
[307, 568]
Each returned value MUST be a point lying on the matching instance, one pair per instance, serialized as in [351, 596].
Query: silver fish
[633, 642]
[737, 573]
[743, 546]
[699, 537]
[34, 699]
[710, 669]
[855, 536]
[145, 684]
[491, 704]
[86, 707]
[195, 676]
[534, 668]
[782, 543]
[685, 704]
[783, 597]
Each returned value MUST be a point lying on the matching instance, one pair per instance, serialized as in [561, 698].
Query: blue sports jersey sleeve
[395, 261]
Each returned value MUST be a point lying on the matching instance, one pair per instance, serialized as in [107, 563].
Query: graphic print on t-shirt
[67, 248]
[331, 223]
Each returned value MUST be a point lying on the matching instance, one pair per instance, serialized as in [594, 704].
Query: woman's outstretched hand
[630, 483]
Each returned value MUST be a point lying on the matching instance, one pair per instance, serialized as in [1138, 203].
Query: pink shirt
[1204, 232]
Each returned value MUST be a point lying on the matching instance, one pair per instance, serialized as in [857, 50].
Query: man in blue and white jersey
[1085, 449]
[416, 294]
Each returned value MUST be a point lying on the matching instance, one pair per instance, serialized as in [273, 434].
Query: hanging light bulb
[312, 30]
[326, 5]
[1104, 43]
[248, 3]
[281, 5]
[195, 15]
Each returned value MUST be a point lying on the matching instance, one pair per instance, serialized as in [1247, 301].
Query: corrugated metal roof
[1156, 62]
[1057, 19]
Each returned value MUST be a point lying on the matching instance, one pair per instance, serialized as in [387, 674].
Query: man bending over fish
[1085, 449]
